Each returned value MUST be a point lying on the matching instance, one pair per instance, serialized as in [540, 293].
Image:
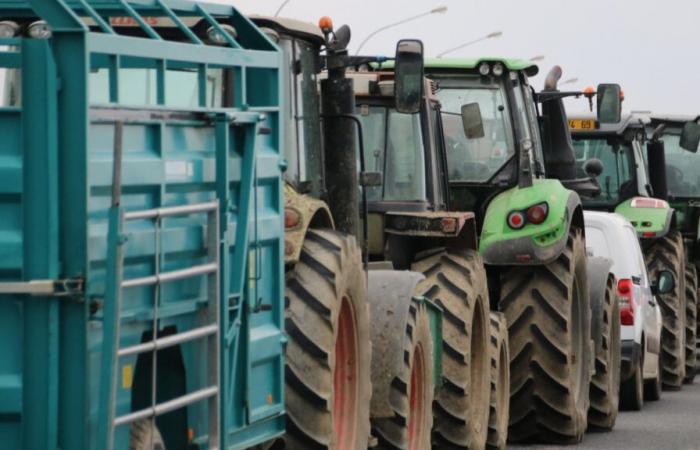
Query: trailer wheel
[327, 364]
[548, 313]
[411, 394]
[605, 384]
[144, 435]
[456, 281]
[691, 305]
[666, 253]
[500, 384]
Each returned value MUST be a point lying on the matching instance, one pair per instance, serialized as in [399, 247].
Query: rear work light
[646, 202]
[625, 295]
[535, 214]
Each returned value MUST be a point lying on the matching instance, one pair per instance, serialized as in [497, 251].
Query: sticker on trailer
[178, 170]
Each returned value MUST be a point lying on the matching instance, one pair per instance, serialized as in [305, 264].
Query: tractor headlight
[484, 68]
[216, 38]
[39, 30]
[8, 29]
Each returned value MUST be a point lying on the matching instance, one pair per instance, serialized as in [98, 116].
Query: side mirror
[665, 282]
[593, 167]
[609, 103]
[472, 121]
[408, 73]
[690, 137]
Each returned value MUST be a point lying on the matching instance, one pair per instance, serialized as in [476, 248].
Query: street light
[284, 3]
[537, 58]
[491, 35]
[438, 10]
[570, 81]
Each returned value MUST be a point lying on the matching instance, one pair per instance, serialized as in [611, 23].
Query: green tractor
[635, 186]
[514, 167]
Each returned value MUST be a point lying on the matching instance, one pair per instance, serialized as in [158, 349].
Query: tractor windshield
[475, 160]
[682, 168]
[617, 181]
[393, 144]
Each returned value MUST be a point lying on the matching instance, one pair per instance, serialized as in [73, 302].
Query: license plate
[582, 124]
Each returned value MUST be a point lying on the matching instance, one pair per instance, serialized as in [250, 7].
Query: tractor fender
[533, 244]
[390, 294]
[648, 222]
[599, 275]
[301, 212]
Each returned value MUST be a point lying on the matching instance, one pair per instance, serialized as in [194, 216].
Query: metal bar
[213, 316]
[184, 28]
[117, 164]
[171, 211]
[142, 23]
[169, 341]
[34, 287]
[214, 23]
[171, 276]
[96, 17]
[168, 406]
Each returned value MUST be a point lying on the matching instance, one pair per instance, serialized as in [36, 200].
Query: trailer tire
[500, 384]
[328, 354]
[144, 435]
[691, 305]
[548, 313]
[411, 393]
[456, 281]
[666, 253]
[605, 384]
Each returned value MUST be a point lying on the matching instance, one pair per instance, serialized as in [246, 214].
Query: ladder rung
[169, 341]
[171, 211]
[168, 406]
[164, 277]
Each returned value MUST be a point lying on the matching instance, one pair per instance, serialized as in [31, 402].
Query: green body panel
[646, 220]
[551, 232]
[435, 317]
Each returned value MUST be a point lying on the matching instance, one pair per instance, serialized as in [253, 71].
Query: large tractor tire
[500, 384]
[548, 313]
[456, 281]
[691, 305]
[605, 384]
[667, 254]
[411, 394]
[328, 354]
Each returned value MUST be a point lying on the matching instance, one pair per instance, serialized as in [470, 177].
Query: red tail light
[537, 213]
[625, 295]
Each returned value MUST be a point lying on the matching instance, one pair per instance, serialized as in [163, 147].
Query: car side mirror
[472, 122]
[593, 167]
[690, 137]
[408, 73]
[609, 103]
[665, 283]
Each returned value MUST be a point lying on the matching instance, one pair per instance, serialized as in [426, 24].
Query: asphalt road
[672, 423]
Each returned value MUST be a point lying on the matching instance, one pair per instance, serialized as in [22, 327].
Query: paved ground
[672, 423]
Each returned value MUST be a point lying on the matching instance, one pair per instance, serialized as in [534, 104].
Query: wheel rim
[416, 415]
[345, 379]
[578, 347]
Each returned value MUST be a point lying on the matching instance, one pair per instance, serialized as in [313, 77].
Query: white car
[610, 235]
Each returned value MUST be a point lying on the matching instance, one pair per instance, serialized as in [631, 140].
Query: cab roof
[297, 28]
[446, 64]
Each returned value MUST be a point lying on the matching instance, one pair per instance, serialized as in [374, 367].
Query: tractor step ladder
[115, 285]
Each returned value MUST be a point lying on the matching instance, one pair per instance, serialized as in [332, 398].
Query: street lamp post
[438, 10]
[537, 58]
[492, 35]
[569, 81]
[279, 10]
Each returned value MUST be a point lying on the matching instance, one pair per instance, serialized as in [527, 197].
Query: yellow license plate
[582, 124]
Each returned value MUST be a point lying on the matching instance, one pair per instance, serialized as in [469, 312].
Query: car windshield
[476, 160]
[682, 169]
[617, 181]
[393, 144]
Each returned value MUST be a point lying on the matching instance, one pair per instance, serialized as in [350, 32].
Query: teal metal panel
[56, 164]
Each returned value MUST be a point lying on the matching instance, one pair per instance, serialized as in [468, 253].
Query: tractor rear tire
[691, 305]
[667, 254]
[328, 355]
[144, 435]
[605, 384]
[548, 313]
[456, 281]
[411, 394]
[500, 384]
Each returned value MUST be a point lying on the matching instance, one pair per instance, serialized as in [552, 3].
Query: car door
[647, 302]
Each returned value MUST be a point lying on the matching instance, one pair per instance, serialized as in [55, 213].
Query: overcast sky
[650, 47]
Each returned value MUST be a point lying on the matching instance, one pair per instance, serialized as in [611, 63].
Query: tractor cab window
[682, 168]
[618, 180]
[393, 145]
[475, 160]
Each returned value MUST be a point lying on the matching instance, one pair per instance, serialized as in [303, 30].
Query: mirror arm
[548, 96]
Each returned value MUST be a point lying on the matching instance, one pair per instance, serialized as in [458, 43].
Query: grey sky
[650, 47]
